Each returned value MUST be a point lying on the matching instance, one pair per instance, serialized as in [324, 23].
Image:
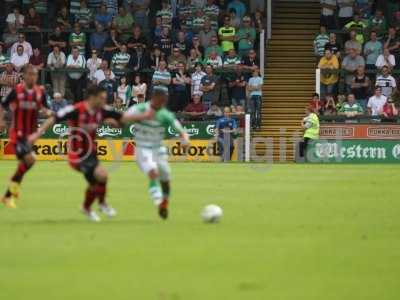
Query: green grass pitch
[290, 232]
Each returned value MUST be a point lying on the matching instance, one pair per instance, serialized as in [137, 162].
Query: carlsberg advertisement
[353, 151]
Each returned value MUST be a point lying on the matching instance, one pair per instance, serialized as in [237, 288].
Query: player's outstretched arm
[41, 130]
[135, 116]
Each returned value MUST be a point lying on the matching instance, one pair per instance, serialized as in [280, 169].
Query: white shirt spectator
[196, 81]
[345, 8]
[328, 11]
[56, 61]
[17, 22]
[79, 62]
[390, 61]
[387, 83]
[19, 60]
[376, 104]
[99, 76]
[93, 65]
[27, 48]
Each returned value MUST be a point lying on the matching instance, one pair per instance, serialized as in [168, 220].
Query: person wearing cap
[386, 81]
[246, 37]
[150, 153]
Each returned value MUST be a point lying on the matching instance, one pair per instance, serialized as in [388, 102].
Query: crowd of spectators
[205, 51]
[358, 53]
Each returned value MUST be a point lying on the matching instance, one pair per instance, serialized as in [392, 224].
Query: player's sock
[21, 171]
[163, 206]
[155, 191]
[101, 191]
[90, 196]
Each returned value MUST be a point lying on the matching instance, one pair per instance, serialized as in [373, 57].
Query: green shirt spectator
[351, 108]
[246, 36]
[214, 47]
[227, 35]
[378, 23]
[320, 41]
[372, 49]
[358, 25]
[124, 22]
[78, 39]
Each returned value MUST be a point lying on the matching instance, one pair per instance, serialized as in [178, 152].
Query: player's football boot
[163, 209]
[9, 202]
[107, 210]
[91, 215]
[156, 195]
[14, 188]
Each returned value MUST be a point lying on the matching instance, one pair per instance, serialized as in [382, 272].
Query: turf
[289, 232]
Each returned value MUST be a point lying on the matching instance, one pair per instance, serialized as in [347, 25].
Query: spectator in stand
[372, 49]
[346, 11]
[63, 18]
[161, 76]
[181, 43]
[58, 102]
[213, 60]
[195, 109]
[351, 108]
[196, 46]
[76, 78]
[353, 43]
[330, 106]
[124, 23]
[385, 59]
[257, 5]
[4, 58]
[232, 60]
[197, 75]
[124, 91]
[137, 42]
[211, 11]
[164, 41]
[19, 59]
[103, 17]
[185, 14]
[77, 39]
[208, 86]
[56, 61]
[156, 56]
[98, 39]
[255, 91]
[238, 6]
[175, 59]
[333, 45]
[316, 104]
[10, 36]
[320, 41]
[112, 7]
[376, 102]
[246, 37]
[193, 59]
[328, 8]
[93, 64]
[27, 47]
[120, 61]
[8, 80]
[37, 59]
[329, 66]
[359, 26]
[110, 86]
[206, 34]
[350, 64]
[235, 19]
[237, 85]
[58, 38]
[165, 14]
[251, 61]
[139, 89]
[389, 110]
[363, 8]
[214, 111]
[140, 10]
[227, 35]
[214, 46]
[33, 22]
[360, 87]
[180, 86]
[100, 73]
[198, 21]
[378, 23]
[16, 18]
[84, 15]
[111, 45]
[392, 43]
[386, 82]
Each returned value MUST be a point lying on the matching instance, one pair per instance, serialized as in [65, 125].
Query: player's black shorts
[87, 166]
[22, 148]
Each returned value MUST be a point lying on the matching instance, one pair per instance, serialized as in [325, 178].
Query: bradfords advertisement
[119, 150]
[353, 151]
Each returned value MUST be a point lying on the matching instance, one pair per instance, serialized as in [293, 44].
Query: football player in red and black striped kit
[84, 118]
[26, 101]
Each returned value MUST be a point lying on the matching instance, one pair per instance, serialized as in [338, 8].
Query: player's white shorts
[154, 159]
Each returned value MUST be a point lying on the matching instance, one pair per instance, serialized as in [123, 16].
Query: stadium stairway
[290, 75]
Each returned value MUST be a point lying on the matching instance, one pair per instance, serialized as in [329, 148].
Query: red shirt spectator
[37, 59]
[195, 109]
[389, 110]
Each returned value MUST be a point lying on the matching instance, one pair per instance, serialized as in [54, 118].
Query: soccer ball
[211, 213]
